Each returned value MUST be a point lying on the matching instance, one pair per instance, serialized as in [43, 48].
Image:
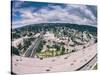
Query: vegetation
[95, 67]
[77, 35]
[14, 51]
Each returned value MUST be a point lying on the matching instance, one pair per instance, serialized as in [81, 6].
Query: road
[32, 48]
[89, 64]
[80, 60]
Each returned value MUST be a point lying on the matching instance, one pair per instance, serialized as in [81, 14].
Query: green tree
[14, 51]
[67, 50]
[20, 46]
[63, 50]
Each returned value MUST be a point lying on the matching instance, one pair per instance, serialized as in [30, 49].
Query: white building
[16, 42]
[49, 36]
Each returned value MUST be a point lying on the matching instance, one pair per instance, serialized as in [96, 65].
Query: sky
[26, 13]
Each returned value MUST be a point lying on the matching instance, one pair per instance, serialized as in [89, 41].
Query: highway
[89, 64]
[80, 60]
[32, 48]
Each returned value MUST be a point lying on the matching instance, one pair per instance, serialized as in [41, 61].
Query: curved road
[80, 60]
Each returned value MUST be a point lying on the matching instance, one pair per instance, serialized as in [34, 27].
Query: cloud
[77, 14]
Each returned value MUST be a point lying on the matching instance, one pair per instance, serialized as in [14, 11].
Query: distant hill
[75, 26]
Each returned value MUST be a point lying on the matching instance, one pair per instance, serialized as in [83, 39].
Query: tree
[73, 50]
[26, 43]
[20, 46]
[67, 50]
[44, 42]
[15, 35]
[57, 47]
[30, 34]
[95, 41]
[48, 46]
[39, 47]
[14, 51]
[62, 43]
[63, 50]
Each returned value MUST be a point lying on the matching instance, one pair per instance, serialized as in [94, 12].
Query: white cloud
[58, 14]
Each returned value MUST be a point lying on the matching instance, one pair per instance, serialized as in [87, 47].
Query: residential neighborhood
[52, 42]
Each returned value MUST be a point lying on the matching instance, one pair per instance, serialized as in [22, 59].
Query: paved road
[56, 64]
[89, 64]
[32, 48]
[32, 54]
